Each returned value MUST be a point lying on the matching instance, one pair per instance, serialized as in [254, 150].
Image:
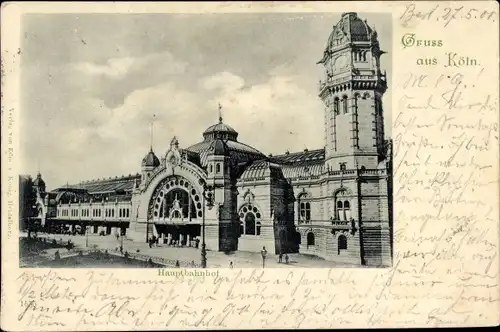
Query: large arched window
[250, 220]
[175, 198]
[342, 243]
[304, 208]
[177, 205]
[250, 224]
[357, 97]
[336, 105]
[310, 239]
[343, 206]
[344, 105]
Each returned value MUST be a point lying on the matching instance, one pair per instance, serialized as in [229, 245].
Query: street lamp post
[208, 197]
[86, 235]
[121, 236]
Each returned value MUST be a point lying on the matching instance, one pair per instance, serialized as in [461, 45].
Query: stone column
[181, 237]
[187, 240]
[169, 238]
[163, 238]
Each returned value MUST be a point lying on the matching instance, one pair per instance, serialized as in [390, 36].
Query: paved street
[240, 259]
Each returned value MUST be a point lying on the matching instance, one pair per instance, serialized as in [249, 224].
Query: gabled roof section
[260, 170]
[303, 157]
[109, 185]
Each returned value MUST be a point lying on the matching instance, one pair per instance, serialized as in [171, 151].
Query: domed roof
[220, 127]
[350, 28]
[150, 160]
[222, 139]
[220, 131]
[39, 181]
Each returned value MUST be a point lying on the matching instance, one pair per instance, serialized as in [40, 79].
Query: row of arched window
[217, 168]
[342, 210]
[124, 213]
[342, 103]
[73, 212]
[341, 241]
[359, 56]
[336, 105]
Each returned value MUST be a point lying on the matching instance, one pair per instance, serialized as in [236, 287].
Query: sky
[92, 84]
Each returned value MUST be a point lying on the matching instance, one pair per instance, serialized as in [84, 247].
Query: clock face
[340, 62]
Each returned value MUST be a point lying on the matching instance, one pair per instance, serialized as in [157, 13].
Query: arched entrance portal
[175, 212]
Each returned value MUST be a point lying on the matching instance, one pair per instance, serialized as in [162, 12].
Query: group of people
[154, 240]
[280, 258]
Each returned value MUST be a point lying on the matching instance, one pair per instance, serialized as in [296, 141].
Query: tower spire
[220, 113]
[151, 133]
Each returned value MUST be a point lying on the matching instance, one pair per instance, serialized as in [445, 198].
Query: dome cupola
[221, 139]
[220, 131]
[150, 160]
[350, 29]
[39, 181]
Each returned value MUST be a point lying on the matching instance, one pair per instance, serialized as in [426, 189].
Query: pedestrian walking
[280, 258]
[177, 264]
[286, 258]
[231, 265]
[263, 252]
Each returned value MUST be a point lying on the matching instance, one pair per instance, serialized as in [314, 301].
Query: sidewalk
[215, 259]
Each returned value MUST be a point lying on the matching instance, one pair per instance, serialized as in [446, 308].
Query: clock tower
[352, 91]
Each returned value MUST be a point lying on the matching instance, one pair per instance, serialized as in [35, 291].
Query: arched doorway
[310, 239]
[175, 212]
[342, 243]
[175, 198]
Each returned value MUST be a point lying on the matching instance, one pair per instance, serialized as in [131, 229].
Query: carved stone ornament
[248, 196]
[173, 155]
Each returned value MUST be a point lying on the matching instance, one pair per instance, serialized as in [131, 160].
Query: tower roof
[220, 128]
[39, 181]
[350, 28]
[150, 160]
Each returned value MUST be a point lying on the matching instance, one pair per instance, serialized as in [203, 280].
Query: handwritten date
[445, 15]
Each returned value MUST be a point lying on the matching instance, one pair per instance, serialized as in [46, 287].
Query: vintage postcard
[249, 165]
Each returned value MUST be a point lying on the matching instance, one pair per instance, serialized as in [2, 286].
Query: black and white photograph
[227, 140]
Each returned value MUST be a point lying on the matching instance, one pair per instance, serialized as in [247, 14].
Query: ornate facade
[334, 202]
